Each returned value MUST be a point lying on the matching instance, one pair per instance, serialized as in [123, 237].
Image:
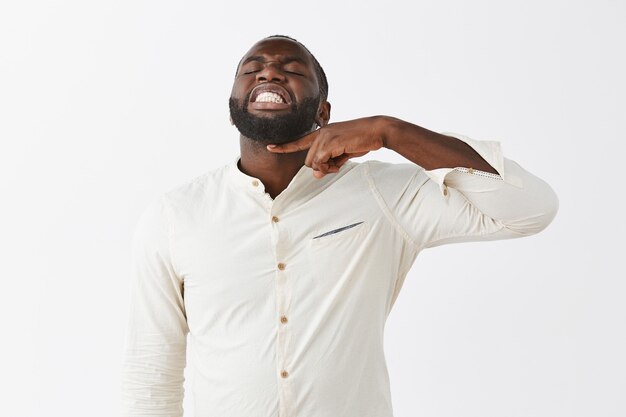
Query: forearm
[153, 375]
[428, 149]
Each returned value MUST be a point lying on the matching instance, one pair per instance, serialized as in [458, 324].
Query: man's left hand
[332, 145]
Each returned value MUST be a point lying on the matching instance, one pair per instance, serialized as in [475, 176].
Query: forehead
[278, 49]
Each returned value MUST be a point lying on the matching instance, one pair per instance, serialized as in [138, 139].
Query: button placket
[283, 331]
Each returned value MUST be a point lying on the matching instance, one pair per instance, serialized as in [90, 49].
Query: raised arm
[498, 197]
[154, 356]
[457, 189]
[432, 150]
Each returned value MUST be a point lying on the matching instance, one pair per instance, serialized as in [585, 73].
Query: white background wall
[104, 105]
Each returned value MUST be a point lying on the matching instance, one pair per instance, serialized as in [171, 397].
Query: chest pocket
[343, 233]
[333, 252]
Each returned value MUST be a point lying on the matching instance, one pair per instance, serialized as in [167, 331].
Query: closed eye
[288, 72]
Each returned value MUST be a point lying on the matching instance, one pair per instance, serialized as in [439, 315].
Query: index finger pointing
[299, 144]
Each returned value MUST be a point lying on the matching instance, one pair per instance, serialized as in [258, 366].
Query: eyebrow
[285, 60]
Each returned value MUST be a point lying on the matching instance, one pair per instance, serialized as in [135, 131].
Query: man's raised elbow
[541, 219]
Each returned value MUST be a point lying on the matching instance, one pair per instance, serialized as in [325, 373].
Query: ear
[231, 120]
[323, 114]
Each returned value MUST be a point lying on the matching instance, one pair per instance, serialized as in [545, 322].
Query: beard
[279, 128]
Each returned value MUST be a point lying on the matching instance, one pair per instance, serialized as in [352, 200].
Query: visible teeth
[269, 97]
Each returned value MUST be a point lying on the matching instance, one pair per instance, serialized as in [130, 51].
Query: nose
[271, 72]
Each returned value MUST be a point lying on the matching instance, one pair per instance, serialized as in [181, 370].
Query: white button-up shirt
[285, 300]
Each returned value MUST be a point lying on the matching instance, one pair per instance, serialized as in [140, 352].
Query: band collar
[303, 180]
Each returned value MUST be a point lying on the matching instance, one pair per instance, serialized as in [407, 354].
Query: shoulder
[195, 190]
[390, 174]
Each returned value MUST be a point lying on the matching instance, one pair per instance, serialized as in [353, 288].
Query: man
[282, 265]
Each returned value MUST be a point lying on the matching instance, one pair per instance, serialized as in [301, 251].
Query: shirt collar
[301, 185]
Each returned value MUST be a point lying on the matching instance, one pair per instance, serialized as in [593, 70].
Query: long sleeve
[449, 205]
[155, 349]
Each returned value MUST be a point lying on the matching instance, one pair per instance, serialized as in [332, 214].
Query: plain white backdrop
[106, 104]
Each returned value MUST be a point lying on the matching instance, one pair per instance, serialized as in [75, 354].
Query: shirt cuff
[489, 150]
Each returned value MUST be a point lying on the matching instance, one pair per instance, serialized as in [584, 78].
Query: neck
[275, 170]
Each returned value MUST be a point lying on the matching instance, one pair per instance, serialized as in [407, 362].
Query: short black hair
[319, 71]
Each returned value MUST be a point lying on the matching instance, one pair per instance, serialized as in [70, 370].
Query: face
[275, 97]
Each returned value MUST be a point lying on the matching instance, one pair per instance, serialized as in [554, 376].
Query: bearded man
[282, 265]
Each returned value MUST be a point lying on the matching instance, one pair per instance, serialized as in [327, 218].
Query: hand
[332, 145]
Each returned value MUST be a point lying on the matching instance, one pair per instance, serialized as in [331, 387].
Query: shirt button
[281, 266]
[283, 319]
[274, 219]
[284, 374]
[255, 183]
[445, 191]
